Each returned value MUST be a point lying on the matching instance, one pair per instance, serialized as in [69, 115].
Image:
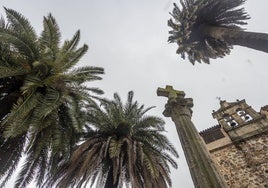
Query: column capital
[182, 106]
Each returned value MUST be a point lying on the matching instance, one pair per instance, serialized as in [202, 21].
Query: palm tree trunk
[110, 179]
[236, 36]
[257, 41]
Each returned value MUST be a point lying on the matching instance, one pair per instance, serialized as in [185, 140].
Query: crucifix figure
[202, 169]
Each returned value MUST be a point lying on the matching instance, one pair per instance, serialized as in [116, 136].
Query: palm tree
[123, 147]
[206, 29]
[45, 95]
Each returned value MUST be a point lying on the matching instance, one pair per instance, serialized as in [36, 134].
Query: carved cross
[170, 92]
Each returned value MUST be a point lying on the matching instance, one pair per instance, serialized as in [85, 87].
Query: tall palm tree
[206, 29]
[45, 95]
[123, 147]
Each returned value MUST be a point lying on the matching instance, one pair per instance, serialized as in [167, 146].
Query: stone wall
[244, 164]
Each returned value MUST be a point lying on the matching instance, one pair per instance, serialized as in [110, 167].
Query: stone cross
[169, 92]
[202, 169]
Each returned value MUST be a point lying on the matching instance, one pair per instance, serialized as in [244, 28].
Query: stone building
[239, 144]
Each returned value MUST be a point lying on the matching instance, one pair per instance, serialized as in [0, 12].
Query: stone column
[202, 168]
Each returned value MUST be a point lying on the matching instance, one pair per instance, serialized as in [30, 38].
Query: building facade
[238, 145]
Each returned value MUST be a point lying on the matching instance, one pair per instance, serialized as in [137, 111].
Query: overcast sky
[129, 40]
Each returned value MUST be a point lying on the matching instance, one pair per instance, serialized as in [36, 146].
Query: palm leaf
[12, 71]
[20, 43]
[72, 44]
[21, 25]
[84, 74]
[50, 37]
[19, 115]
[14, 148]
[27, 173]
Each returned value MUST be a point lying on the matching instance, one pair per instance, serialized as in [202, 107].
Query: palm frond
[27, 173]
[41, 173]
[20, 24]
[84, 74]
[19, 115]
[12, 71]
[94, 90]
[50, 37]
[73, 57]
[2, 22]
[47, 104]
[72, 44]
[11, 153]
[20, 43]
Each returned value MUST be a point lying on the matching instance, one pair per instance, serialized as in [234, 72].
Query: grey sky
[129, 39]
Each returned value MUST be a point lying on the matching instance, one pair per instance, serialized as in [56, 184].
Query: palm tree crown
[206, 29]
[45, 95]
[123, 146]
